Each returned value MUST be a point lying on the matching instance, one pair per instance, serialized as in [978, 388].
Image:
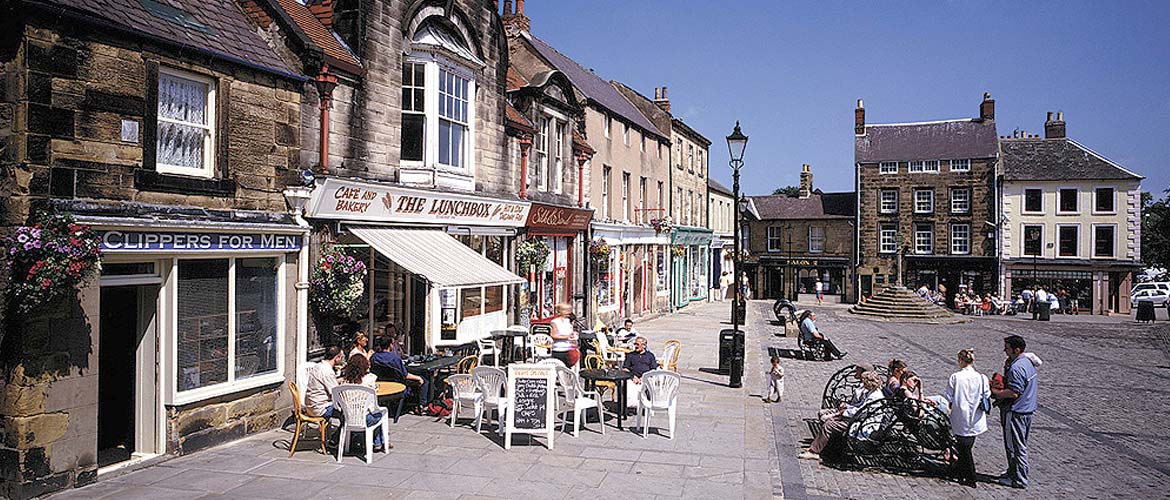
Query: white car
[1158, 297]
[1150, 285]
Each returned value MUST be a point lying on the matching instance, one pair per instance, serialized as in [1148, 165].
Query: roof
[215, 27]
[714, 185]
[658, 116]
[941, 140]
[515, 119]
[580, 144]
[594, 87]
[436, 256]
[515, 81]
[324, 38]
[817, 206]
[695, 135]
[1063, 159]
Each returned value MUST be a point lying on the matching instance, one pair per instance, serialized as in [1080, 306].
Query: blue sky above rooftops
[791, 72]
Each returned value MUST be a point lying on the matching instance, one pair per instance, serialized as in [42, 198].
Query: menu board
[531, 389]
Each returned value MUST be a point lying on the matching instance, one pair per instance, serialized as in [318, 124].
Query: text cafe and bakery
[441, 264]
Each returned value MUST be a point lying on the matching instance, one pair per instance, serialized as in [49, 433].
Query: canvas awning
[436, 256]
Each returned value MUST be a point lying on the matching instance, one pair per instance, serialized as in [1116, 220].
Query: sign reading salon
[169, 241]
[360, 201]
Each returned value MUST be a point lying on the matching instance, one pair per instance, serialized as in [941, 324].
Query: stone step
[902, 310]
[900, 303]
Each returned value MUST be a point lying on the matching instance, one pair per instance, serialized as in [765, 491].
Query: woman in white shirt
[563, 335]
[967, 389]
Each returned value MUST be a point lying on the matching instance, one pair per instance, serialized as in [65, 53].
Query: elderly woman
[838, 422]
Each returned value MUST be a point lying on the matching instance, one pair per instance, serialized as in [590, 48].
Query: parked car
[1150, 285]
[1158, 297]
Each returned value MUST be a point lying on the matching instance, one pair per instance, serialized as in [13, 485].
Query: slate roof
[1036, 159]
[817, 206]
[215, 27]
[594, 87]
[714, 185]
[941, 140]
[322, 37]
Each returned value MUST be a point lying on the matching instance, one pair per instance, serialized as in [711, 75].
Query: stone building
[721, 221]
[794, 242]
[927, 209]
[628, 178]
[1071, 220]
[171, 130]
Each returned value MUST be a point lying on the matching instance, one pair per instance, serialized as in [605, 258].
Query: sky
[791, 72]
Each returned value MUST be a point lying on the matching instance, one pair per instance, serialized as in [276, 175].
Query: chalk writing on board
[531, 400]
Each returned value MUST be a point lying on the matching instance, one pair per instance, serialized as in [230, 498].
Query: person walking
[1016, 397]
[563, 336]
[969, 393]
[724, 284]
[820, 289]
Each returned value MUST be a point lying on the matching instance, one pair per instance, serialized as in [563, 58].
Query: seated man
[626, 332]
[638, 363]
[810, 335]
[321, 379]
[837, 422]
[386, 357]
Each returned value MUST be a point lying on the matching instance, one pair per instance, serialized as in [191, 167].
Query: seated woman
[894, 382]
[911, 388]
[837, 423]
[357, 371]
[961, 303]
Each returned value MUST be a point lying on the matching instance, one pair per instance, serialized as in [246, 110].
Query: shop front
[954, 274]
[631, 277]
[1088, 287]
[796, 278]
[691, 267]
[439, 263]
[561, 276]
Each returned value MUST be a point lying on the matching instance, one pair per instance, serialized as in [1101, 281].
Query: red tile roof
[517, 120]
[580, 144]
[321, 36]
[515, 81]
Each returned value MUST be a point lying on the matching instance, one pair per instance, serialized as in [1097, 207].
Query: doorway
[417, 325]
[127, 402]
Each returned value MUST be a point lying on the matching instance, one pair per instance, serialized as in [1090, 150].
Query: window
[691, 218]
[470, 301]
[642, 200]
[660, 266]
[222, 303]
[1067, 201]
[608, 125]
[888, 238]
[186, 124]
[930, 166]
[605, 175]
[924, 238]
[1067, 240]
[816, 239]
[888, 201]
[923, 201]
[916, 166]
[888, 167]
[960, 200]
[642, 142]
[702, 168]
[690, 157]
[625, 196]
[1103, 237]
[960, 165]
[414, 118]
[453, 107]
[559, 155]
[540, 154]
[960, 239]
[744, 236]
[1104, 200]
[625, 133]
[661, 192]
[659, 150]
[678, 209]
[774, 242]
[607, 279]
[1033, 201]
[1033, 240]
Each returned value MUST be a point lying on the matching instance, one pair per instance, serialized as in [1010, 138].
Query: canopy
[436, 256]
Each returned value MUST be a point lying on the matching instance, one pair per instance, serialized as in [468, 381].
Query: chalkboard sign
[531, 393]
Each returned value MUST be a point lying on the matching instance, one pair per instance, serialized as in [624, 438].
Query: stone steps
[899, 303]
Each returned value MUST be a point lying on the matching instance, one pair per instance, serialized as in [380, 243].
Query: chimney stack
[323, 10]
[1054, 129]
[859, 118]
[987, 107]
[806, 177]
[516, 20]
[661, 99]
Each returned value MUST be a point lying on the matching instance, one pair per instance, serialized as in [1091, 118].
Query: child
[775, 382]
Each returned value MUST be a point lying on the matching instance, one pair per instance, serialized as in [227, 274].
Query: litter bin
[1145, 311]
[1045, 311]
[726, 350]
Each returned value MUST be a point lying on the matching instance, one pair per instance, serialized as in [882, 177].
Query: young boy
[775, 382]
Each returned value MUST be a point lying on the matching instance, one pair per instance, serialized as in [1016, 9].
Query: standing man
[1016, 397]
[724, 284]
[820, 288]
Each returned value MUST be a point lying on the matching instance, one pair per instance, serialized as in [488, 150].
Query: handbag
[985, 401]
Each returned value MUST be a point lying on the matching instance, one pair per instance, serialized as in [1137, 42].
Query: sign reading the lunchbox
[157, 241]
[531, 393]
[359, 201]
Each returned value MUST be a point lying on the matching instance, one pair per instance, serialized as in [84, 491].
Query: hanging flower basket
[338, 284]
[679, 250]
[662, 225]
[532, 253]
[599, 249]
[48, 259]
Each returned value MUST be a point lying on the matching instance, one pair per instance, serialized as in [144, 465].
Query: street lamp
[736, 144]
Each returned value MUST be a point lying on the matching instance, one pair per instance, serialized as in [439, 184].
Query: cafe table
[509, 336]
[618, 377]
[390, 388]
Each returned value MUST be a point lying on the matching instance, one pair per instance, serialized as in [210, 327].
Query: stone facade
[788, 254]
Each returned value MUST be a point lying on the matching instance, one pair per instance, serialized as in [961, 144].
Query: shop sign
[553, 217]
[163, 241]
[691, 237]
[358, 201]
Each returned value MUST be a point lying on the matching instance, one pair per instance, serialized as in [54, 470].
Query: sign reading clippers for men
[359, 201]
[147, 241]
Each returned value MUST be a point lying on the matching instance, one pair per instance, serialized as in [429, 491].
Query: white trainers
[808, 455]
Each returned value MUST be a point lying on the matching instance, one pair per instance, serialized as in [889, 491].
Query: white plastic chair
[487, 345]
[608, 354]
[491, 382]
[465, 393]
[539, 346]
[355, 402]
[659, 393]
[576, 399]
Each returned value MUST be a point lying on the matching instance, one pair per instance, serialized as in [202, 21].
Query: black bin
[1145, 311]
[726, 349]
[1045, 311]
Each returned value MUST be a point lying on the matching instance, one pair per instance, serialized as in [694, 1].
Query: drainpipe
[325, 82]
[297, 197]
[525, 145]
[581, 159]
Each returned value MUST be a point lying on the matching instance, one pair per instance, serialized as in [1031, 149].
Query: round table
[618, 377]
[390, 388]
[509, 337]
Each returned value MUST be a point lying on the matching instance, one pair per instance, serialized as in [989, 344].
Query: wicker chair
[594, 362]
[304, 419]
[466, 364]
[670, 352]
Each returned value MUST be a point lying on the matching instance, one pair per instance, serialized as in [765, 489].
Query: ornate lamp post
[736, 144]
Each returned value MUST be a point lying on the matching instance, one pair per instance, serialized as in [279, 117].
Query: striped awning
[436, 256]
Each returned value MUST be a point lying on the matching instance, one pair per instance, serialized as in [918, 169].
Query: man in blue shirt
[386, 357]
[1017, 400]
[810, 335]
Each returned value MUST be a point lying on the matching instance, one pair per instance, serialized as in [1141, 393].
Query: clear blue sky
[791, 71]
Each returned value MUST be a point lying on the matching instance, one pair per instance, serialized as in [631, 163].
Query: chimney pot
[859, 119]
[1054, 129]
[1060, 116]
[657, 93]
[806, 181]
[987, 107]
[1049, 116]
[661, 99]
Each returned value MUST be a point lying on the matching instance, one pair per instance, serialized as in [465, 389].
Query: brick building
[927, 207]
[170, 129]
[793, 242]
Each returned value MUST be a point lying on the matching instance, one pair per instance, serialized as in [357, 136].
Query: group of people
[1059, 302]
[565, 333]
[967, 399]
[990, 304]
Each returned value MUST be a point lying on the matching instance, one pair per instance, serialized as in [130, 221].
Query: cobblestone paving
[1101, 431]
[724, 449]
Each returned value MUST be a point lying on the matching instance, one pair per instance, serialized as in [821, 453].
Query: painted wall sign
[689, 237]
[359, 201]
[554, 217]
[163, 241]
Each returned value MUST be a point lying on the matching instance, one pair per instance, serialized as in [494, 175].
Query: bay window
[558, 157]
[453, 128]
[186, 124]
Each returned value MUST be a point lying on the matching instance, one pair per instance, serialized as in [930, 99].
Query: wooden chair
[594, 362]
[466, 364]
[670, 352]
[304, 419]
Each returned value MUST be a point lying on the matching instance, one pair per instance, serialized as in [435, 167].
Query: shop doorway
[418, 315]
[127, 373]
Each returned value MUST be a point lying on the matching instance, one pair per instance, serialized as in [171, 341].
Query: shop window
[816, 239]
[494, 249]
[1104, 200]
[1033, 240]
[924, 239]
[186, 124]
[1033, 201]
[1068, 238]
[470, 301]
[493, 299]
[607, 279]
[1103, 241]
[660, 268]
[256, 320]
[1068, 201]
